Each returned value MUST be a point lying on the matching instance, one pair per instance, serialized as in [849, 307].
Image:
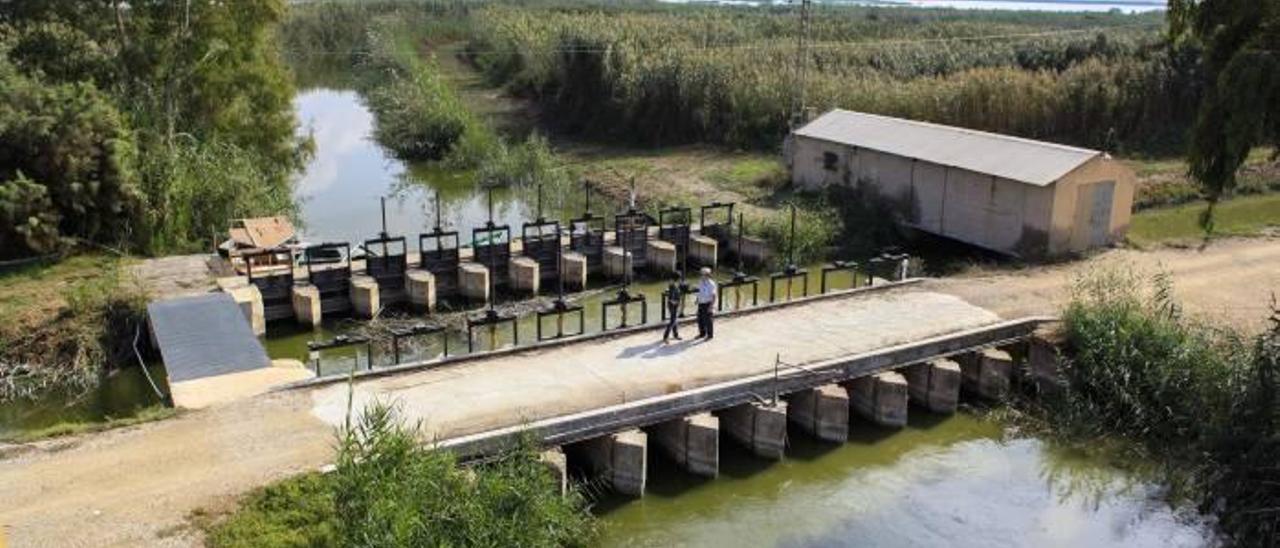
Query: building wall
[998, 214]
[1073, 204]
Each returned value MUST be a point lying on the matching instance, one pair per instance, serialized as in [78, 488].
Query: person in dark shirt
[671, 298]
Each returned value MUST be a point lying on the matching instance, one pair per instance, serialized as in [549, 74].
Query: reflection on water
[340, 189]
[121, 394]
[949, 481]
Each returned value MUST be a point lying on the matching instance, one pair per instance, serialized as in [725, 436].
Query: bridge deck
[530, 386]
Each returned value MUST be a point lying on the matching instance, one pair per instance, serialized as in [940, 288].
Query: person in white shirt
[707, 291]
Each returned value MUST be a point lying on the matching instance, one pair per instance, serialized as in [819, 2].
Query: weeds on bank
[388, 489]
[144, 415]
[1199, 399]
[67, 325]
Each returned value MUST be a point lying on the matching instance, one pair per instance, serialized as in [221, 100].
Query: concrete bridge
[603, 399]
[814, 362]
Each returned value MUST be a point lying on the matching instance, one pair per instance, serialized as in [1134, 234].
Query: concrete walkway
[138, 486]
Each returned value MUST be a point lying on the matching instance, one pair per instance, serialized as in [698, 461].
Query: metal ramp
[204, 336]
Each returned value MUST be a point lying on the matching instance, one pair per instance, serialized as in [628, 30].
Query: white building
[1007, 194]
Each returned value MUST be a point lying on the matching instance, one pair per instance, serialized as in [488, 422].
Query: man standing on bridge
[706, 298]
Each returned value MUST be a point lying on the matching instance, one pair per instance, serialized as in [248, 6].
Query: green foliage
[295, 512]
[1200, 399]
[194, 188]
[816, 228]
[70, 140]
[671, 74]
[1241, 107]
[28, 222]
[102, 99]
[390, 490]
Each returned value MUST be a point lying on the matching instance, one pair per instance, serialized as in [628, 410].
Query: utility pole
[802, 58]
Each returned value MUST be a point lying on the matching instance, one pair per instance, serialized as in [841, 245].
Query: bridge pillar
[473, 279]
[250, 300]
[760, 427]
[986, 373]
[935, 385]
[821, 411]
[558, 465]
[880, 398]
[573, 269]
[306, 305]
[620, 459]
[704, 250]
[617, 262]
[421, 286]
[693, 442]
[1042, 359]
[364, 297]
[525, 274]
[662, 256]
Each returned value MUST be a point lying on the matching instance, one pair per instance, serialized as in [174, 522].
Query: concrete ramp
[211, 353]
[204, 336]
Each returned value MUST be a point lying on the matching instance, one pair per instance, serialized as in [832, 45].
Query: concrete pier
[693, 442]
[662, 257]
[558, 465]
[573, 270]
[364, 297]
[620, 460]
[821, 411]
[1042, 360]
[935, 385]
[987, 373]
[250, 300]
[473, 282]
[306, 305]
[880, 398]
[760, 427]
[421, 287]
[525, 274]
[704, 250]
[617, 262]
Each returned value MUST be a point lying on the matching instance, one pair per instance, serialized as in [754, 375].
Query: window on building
[830, 161]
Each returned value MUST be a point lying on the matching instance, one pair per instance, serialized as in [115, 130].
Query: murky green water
[942, 481]
[120, 395]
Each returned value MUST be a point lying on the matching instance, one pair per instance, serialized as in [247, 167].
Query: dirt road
[1229, 282]
[138, 485]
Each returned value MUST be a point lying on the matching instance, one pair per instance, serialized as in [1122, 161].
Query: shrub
[390, 490]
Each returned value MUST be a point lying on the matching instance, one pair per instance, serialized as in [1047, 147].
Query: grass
[65, 323]
[1243, 216]
[1164, 181]
[149, 414]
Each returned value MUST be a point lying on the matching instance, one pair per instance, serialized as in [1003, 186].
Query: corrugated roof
[1035, 162]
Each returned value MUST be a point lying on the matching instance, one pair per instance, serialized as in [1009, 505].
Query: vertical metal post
[383, 200]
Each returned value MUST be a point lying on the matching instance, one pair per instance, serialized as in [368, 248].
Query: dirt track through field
[137, 486]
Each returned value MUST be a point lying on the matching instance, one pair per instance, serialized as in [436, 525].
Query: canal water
[954, 481]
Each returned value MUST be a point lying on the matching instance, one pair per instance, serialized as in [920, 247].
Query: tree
[71, 142]
[1241, 106]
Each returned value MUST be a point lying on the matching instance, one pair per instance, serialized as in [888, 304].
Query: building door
[1100, 213]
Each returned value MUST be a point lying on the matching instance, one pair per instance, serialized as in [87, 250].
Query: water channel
[958, 481]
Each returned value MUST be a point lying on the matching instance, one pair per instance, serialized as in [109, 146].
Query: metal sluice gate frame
[276, 286]
[623, 300]
[419, 330]
[314, 348]
[332, 282]
[442, 262]
[492, 319]
[559, 309]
